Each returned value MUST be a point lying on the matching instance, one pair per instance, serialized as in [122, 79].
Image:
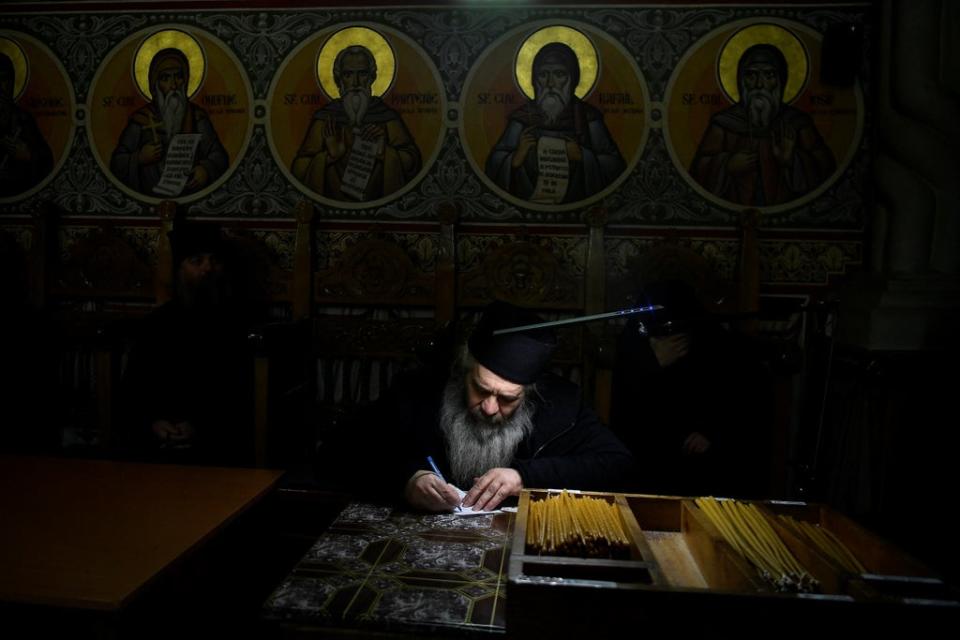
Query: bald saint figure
[357, 148]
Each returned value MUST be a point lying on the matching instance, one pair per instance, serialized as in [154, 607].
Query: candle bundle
[565, 525]
[826, 542]
[744, 527]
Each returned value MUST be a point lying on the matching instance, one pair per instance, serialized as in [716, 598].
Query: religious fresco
[356, 115]
[554, 116]
[169, 113]
[36, 115]
[749, 123]
[654, 94]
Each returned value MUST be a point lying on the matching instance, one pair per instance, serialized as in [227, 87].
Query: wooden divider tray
[679, 564]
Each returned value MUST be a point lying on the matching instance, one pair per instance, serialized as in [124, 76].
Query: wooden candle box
[681, 573]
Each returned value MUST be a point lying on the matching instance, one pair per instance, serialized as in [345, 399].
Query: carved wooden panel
[525, 272]
[265, 262]
[707, 264]
[348, 336]
[377, 270]
[104, 262]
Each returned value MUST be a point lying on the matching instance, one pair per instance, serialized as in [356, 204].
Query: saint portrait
[170, 134]
[170, 113]
[761, 150]
[750, 123]
[359, 129]
[558, 123]
[35, 115]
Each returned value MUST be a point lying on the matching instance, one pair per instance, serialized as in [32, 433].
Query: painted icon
[25, 156]
[170, 146]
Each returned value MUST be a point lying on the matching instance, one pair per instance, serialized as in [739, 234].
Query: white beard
[355, 104]
[762, 105]
[172, 108]
[474, 444]
[553, 102]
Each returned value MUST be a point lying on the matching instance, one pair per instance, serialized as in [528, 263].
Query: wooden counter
[91, 534]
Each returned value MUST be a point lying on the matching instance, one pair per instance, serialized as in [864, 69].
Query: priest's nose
[490, 406]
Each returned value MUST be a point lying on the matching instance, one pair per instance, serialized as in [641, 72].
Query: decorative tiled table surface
[381, 568]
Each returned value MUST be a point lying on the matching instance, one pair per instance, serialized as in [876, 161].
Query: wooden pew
[98, 280]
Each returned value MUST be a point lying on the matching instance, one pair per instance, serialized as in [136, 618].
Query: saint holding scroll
[556, 148]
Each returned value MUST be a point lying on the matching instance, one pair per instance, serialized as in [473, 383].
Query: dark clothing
[601, 162]
[17, 176]
[191, 366]
[716, 389]
[144, 127]
[771, 182]
[397, 163]
[568, 448]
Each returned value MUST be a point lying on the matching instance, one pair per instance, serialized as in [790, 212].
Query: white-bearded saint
[168, 114]
[555, 112]
[325, 152]
[761, 151]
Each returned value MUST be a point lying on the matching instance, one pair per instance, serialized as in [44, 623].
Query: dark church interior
[252, 257]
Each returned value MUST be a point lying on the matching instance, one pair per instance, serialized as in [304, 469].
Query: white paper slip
[467, 511]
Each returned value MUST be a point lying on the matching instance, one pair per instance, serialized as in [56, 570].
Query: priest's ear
[840, 55]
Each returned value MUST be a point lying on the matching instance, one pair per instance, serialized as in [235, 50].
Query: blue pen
[433, 465]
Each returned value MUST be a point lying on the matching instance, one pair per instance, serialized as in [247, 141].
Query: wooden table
[92, 534]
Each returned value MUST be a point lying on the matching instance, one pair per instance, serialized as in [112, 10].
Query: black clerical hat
[194, 238]
[519, 357]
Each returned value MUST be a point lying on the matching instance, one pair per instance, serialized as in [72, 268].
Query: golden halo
[369, 40]
[790, 46]
[21, 69]
[169, 39]
[582, 46]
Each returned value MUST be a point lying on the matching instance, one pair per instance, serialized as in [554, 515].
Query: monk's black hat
[195, 238]
[519, 357]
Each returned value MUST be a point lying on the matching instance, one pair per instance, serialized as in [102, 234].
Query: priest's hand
[426, 490]
[372, 132]
[199, 178]
[527, 143]
[695, 444]
[490, 489]
[783, 144]
[333, 140]
[171, 434]
[669, 349]
[150, 153]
